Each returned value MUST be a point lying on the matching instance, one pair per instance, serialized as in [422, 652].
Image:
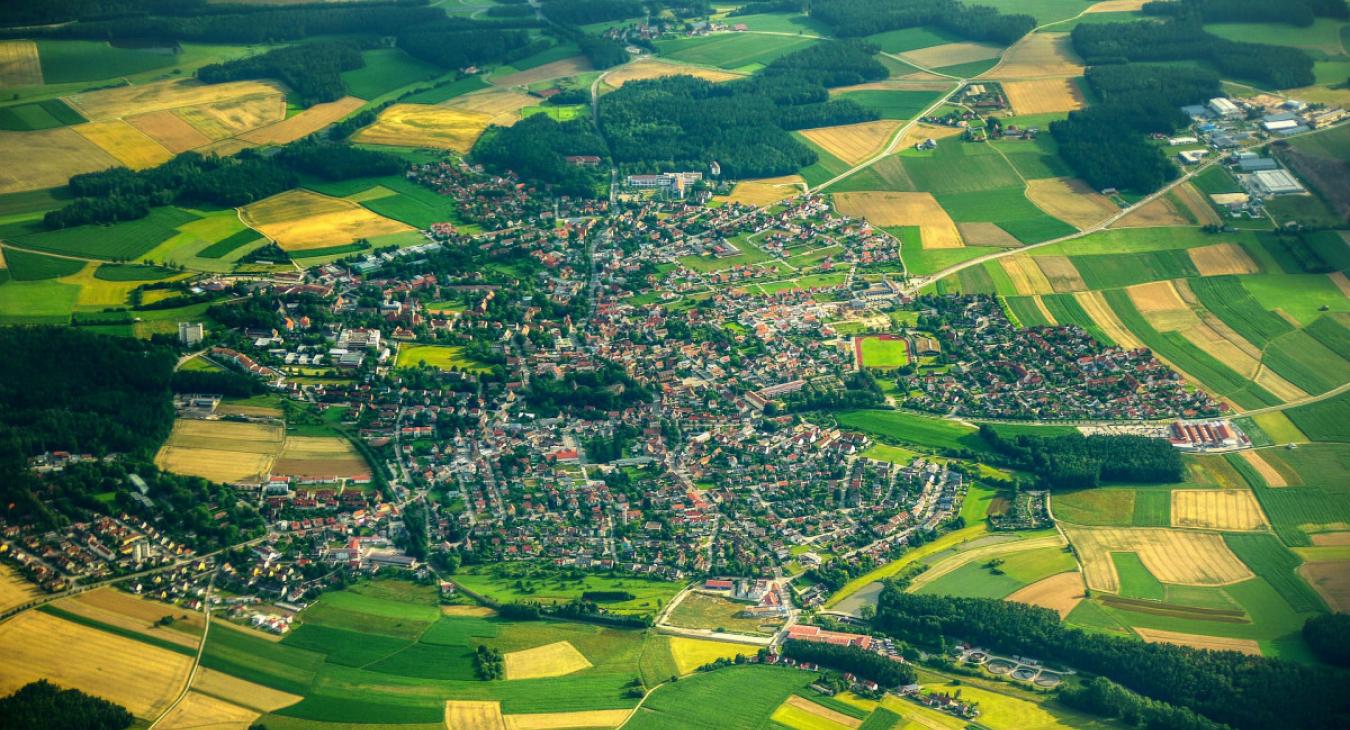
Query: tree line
[852, 18]
[1300, 13]
[42, 705]
[866, 664]
[1073, 460]
[312, 70]
[583, 12]
[1246, 692]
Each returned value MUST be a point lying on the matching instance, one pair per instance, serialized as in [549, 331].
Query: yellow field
[1172, 556]
[15, 590]
[853, 143]
[555, 70]
[1096, 307]
[320, 457]
[142, 678]
[414, 125]
[1060, 592]
[474, 715]
[19, 64]
[126, 101]
[242, 692]
[222, 451]
[921, 132]
[1061, 272]
[1219, 509]
[1026, 276]
[1280, 428]
[903, 209]
[1037, 56]
[129, 145]
[2, 259]
[690, 654]
[1214, 643]
[474, 611]
[986, 234]
[549, 660]
[950, 54]
[653, 68]
[765, 191]
[1043, 96]
[1116, 6]
[170, 130]
[1222, 258]
[305, 123]
[300, 219]
[221, 121]
[1330, 578]
[817, 717]
[1157, 297]
[139, 615]
[203, 712]
[1196, 203]
[1070, 200]
[1269, 474]
[565, 720]
[1158, 212]
[47, 158]
[1340, 281]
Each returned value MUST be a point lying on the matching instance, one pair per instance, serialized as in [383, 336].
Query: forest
[537, 147]
[42, 705]
[1299, 13]
[453, 45]
[1101, 696]
[1246, 692]
[582, 12]
[853, 18]
[861, 662]
[1329, 637]
[1073, 461]
[312, 70]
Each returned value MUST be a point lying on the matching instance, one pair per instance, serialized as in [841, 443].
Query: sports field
[300, 220]
[882, 351]
[442, 357]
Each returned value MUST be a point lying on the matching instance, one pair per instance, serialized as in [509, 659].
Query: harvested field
[1096, 307]
[143, 678]
[1218, 509]
[203, 712]
[1058, 592]
[853, 143]
[1331, 579]
[903, 209]
[300, 219]
[1116, 6]
[986, 234]
[555, 70]
[927, 83]
[833, 716]
[1026, 276]
[169, 130]
[1172, 556]
[690, 654]
[766, 191]
[474, 715]
[242, 691]
[1222, 258]
[921, 132]
[1037, 56]
[1070, 200]
[305, 123]
[651, 68]
[15, 590]
[414, 125]
[222, 451]
[1156, 297]
[563, 720]
[1196, 641]
[129, 145]
[1331, 539]
[1043, 96]
[47, 158]
[140, 615]
[19, 64]
[1269, 474]
[126, 101]
[1061, 272]
[1196, 203]
[950, 54]
[470, 611]
[234, 409]
[549, 660]
[320, 457]
[222, 120]
[1158, 212]
[501, 105]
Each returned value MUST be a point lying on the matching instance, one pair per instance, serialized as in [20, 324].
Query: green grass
[882, 353]
[132, 272]
[1231, 302]
[1044, 11]
[36, 302]
[1276, 565]
[731, 50]
[1135, 580]
[780, 23]
[557, 52]
[460, 631]
[1304, 361]
[25, 266]
[1108, 271]
[701, 700]
[1025, 310]
[437, 356]
[1019, 570]
[1152, 508]
[959, 168]
[343, 646]
[127, 240]
[912, 39]
[46, 114]
[427, 661]
[1215, 180]
[448, 91]
[914, 429]
[1098, 506]
[1305, 297]
[228, 244]
[74, 61]
[1323, 35]
[893, 104]
[504, 583]
[258, 660]
[1320, 500]
[703, 611]
[386, 70]
[1009, 209]
[1066, 310]
[1327, 420]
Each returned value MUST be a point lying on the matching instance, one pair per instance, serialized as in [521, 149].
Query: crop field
[128, 144]
[303, 124]
[130, 613]
[128, 240]
[222, 121]
[1099, 316]
[222, 451]
[654, 68]
[1219, 509]
[1172, 556]
[1331, 580]
[1196, 641]
[19, 64]
[1328, 420]
[700, 700]
[544, 72]
[1043, 96]
[199, 710]
[241, 692]
[1222, 258]
[1269, 474]
[986, 234]
[766, 191]
[45, 114]
[690, 654]
[437, 356]
[170, 130]
[47, 158]
[15, 590]
[1024, 275]
[143, 678]
[320, 457]
[1022, 562]
[415, 125]
[386, 70]
[565, 720]
[732, 50]
[1070, 200]
[853, 143]
[550, 660]
[1109, 271]
[1276, 565]
[474, 715]
[299, 220]
[888, 102]
[1230, 301]
[894, 209]
[1038, 56]
[799, 713]
[883, 352]
[706, 611]
[950, 54]
[1060, 593]
[1106, 506]
[126, 101]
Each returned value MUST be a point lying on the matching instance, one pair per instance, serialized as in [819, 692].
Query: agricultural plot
[1043, 96]
[714, 613]
[303, 124]
[127, 613]
[170, 130]
[506, 585]
[995, 570]
[1070, 200]
[47, 158]
[125, 101]
[1328, 420]
[732, 50]
[894, 209]
[325, 458]
[765, 191]
[222, 451]
[1218, 509]
[914, 429]
[1024, 275]
[799, 713]
[986, 234]
[565, 720]
[853, 143]
[222, 121]
[1039, 56]
[241, 692]
[700, 700]
[129, 240]
[409, 125]
[690, 654]
[386, 70]
[1060, 593]
[645, 68]
[19, 64]
[132, 147]
[888, 101]
[15, 590]
[544, 72]
[1172, 556]
[199, 710]
[300, 220]
[551, 660]
[1331, 580]
[950, 54]
[1008, 208]
[46, 114]
[1196, 641]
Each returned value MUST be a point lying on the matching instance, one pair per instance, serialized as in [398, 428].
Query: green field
[884, 353]
[73, 61]
[731, 50]
[1320, 501]
[910, 428]
[132, 272]
[701, 700]
[703, 611]
[24, 266]
[779, 23]
[1135, 580]
[1327, 420]
[448, 91]
[912, 39]
[1108, 271]
[1044, 11]
[437, 356]
[128, 240]
[1324, 35]
[1009, 209]
[229, 244]
[1017, 570]
[893, 104]
[1230, 301]
[46, 114]
[386, 70]
[508, 583]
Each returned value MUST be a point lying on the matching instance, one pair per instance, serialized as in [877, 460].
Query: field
[386, 70]
[653, 68]
[705, 611]
[802, 714]
[731, 50]
[766, 191]
[1043, 96]
[883, 352]
[1060, 592]
[506, 584]
[914, 429]
[19, 64]
[1214, 643]
[890, 100]
[1222, 258]
[199, 710]
[1025, 275]
[950, 54]
[45, 114]
[853, 143]
[129, 613]
[894, 209]
[437, 356]
[47, 158]
[416, 125]
[1020, 563]
[222, 451]
[132, 147]
[15, 590]
[320, 458]
[701, 700]
[690, 654]
[550, 660]
[1070, 200]
[241, 692]
[143, 678]
[170, 130]
[1219, 509]
[219, 101]
[565, 720]
[1331, 580]
[303, 124]
[300, 220]
[544, 72]
[1038, 56]
[1189, 558]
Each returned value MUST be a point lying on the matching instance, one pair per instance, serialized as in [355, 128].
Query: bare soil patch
[986, 234]
[555, 70]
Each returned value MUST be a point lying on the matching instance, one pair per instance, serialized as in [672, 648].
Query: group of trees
[223, 382]
[582, 12]
[42, 705]
[586, 394]
[1101, 696]
[489, 663]
[537, 148]
[852, 18]
[1073, 460]
[312, 70]
[865, 664]
[1301, 13]
[1246, 692]
[1329, 637]
[452, 44]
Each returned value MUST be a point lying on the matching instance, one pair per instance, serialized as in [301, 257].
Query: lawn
[508, 583]
[910, 428]
[437, 356]
[127, 240]
[880, 352]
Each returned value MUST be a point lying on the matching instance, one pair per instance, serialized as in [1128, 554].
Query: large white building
[1275, 182]
[190, 333]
